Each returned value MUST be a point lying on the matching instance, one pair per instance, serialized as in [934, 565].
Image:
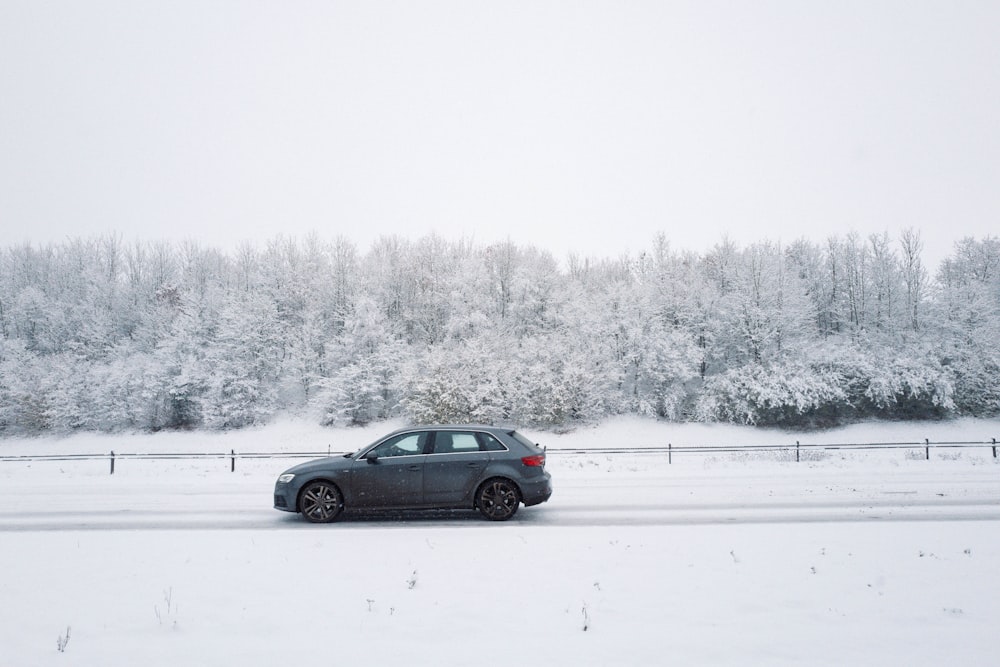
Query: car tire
[498, 499]
[320, 502]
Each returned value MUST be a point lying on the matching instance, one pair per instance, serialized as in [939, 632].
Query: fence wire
[669, 451]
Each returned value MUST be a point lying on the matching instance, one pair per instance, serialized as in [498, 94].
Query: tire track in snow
[552, 515]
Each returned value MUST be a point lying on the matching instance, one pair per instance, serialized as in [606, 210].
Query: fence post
[927, 444]
[232, 460]
[670, 453]
[112, 462]
[796, 451]
[994, 447]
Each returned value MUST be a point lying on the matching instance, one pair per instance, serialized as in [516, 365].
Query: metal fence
[670, 451]
[798, 448]
[112, 457]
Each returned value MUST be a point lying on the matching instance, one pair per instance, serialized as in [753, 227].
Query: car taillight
[533, 461]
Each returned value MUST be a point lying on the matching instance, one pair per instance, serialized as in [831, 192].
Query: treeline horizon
[101, 334]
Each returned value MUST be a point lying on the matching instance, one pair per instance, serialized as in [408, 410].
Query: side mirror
[372, 458]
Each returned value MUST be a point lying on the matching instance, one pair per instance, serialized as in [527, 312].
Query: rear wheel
[498, 499]
[320, 502]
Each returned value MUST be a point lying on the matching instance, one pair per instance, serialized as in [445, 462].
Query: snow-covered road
[620, 490]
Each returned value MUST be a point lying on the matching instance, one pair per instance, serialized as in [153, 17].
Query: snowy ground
[847, 558]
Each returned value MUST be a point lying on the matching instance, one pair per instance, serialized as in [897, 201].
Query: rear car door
[454, 467]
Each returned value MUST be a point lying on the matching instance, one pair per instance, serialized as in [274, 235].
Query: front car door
[391, 474]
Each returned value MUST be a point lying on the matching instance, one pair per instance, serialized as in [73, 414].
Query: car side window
[489, 443]
[406, 444]
[452, 442]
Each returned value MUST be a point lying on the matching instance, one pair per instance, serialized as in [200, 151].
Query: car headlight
[286, 478]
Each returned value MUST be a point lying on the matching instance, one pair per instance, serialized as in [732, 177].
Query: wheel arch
[329, 479]
[491, 478]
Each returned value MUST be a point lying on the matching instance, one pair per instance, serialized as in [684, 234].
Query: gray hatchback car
[490, 469]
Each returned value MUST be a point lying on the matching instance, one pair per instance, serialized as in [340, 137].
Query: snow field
[398, 594]
[859, 558]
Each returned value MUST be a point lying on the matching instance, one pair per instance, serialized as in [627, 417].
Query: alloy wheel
[320, 502]
[499, 499]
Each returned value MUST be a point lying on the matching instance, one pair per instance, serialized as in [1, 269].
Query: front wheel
[498, 499]
[320, 502]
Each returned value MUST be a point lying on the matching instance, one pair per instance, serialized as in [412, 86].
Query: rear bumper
[537, 491]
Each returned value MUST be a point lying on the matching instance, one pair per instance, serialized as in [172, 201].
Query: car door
[391, 474]
[455, 465]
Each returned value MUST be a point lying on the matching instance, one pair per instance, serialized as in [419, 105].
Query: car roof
[454, 427]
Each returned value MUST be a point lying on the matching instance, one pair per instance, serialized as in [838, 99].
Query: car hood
[331, 463]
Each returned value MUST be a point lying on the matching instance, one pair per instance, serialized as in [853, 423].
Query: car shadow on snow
[400, 518]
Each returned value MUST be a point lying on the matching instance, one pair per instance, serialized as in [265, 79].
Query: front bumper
[284, 498]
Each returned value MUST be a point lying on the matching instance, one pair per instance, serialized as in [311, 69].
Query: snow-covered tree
[367, 362]
[103, 334]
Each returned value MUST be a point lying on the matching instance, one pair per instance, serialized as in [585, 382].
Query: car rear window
[524, 441]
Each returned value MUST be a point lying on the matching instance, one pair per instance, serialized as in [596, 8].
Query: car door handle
[414, 468]
[474, 465]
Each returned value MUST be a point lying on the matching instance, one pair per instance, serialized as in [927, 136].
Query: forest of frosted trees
[112, 335]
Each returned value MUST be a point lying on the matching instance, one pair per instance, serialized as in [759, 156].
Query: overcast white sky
[575, 126]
